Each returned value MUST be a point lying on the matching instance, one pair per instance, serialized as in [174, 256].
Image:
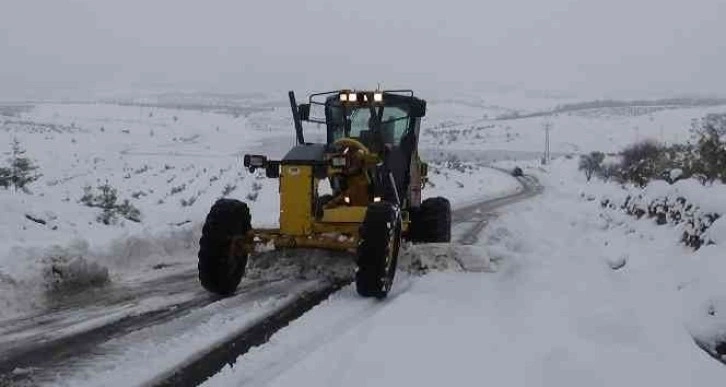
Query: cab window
[394, 125]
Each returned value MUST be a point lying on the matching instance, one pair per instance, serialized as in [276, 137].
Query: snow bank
[717, 231]
[581, 296]
[687, 212]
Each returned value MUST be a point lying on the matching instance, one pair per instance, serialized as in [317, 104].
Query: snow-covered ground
[609, 130]
[170, 163]
[576, 294]
[146, 353]
[581, 296]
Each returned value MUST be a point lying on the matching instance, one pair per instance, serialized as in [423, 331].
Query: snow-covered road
[554, 310]
[531, 299]
[142, 330]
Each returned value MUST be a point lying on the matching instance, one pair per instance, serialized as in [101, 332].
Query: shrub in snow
[188, 202]
[717, 231]
[21, 171]
[228, 189]
[177, 189]
[642, 162]
[454, 163]
[252, 196]
[107, 200]
[609, 171]
[665, 209]
[256, 187]
[710, 148]
[141, 170]
[6, 279]
[591, 164]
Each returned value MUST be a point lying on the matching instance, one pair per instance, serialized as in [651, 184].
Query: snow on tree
[711, 148]
[22, 170]
[107, 200]
[591, 163]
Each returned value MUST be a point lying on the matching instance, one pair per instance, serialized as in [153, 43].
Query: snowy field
[581, 296]
[576, 294]
[608, 130]
[171, 164]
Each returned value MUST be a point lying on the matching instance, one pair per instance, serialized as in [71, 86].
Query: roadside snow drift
[580, 297]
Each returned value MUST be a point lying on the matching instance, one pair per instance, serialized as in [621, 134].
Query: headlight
[343, 97]
[338, 161]
[378, 97]
[352, 97]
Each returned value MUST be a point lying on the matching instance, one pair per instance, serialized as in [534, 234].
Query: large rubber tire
[219, 271]
[377, 254]
[431, 222]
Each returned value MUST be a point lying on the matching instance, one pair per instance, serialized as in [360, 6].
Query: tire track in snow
[480, 214]
[206, 366]
[38, 345]
[368, 309]
[36, 358]
[198, 370]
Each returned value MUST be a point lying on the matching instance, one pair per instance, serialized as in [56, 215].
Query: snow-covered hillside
[581, 296]
[607, 129]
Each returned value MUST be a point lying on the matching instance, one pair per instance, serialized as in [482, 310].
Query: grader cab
[370, 163]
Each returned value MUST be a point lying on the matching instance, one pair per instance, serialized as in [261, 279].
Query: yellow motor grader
[370, 162]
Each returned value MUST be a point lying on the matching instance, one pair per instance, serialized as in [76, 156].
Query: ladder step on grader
[370, 160]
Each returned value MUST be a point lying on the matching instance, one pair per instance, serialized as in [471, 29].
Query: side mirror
[418, 109]
[255, 161]
[304, 111]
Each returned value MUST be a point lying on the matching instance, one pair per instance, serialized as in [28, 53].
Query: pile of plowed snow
[421, 259]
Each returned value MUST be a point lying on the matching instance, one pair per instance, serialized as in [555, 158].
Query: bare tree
[591, 163]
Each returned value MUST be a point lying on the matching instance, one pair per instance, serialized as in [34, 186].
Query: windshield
[394, 125]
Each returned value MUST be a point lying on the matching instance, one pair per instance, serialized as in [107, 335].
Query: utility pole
[546, 157]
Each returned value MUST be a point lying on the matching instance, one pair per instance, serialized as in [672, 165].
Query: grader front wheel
[377, 255]
[221, 266]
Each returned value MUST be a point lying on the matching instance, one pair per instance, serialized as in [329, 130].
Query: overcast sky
[592, 46]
